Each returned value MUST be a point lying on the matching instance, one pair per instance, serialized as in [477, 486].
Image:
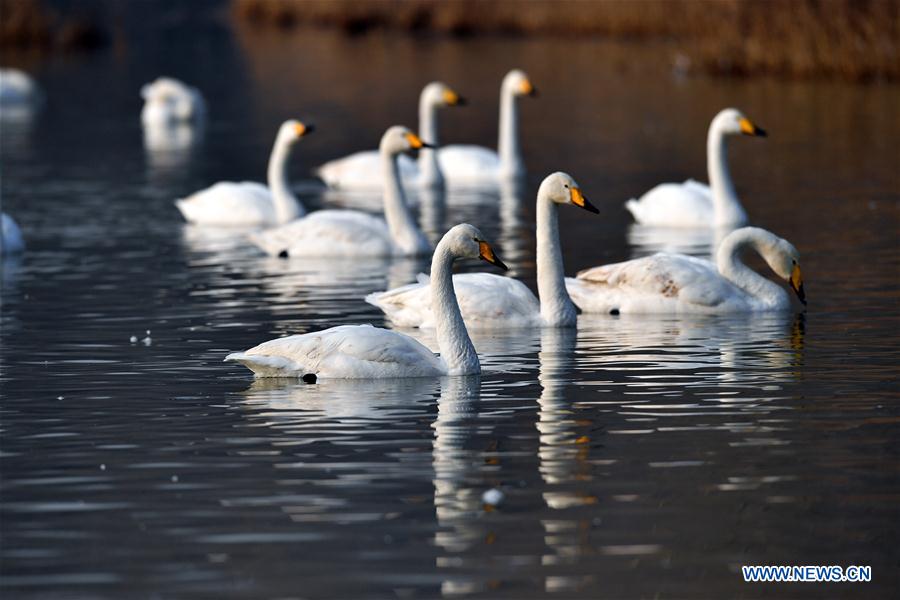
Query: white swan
[249, 203]
[694, 204]
[469, 165]
[10, 236]
[168, 101]
[17, 89]
[490, 301]
[675, 283]
[366, 352]
[362, 170]
[355, 233]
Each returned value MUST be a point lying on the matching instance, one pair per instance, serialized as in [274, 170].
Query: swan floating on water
[366, 352]
[11, 241]
[694, 204]
[248, 203]
[489, 301]
[476, 166]
[17, 89]
[675, 283]
[355, 233]
[168, 101]
[363, 171]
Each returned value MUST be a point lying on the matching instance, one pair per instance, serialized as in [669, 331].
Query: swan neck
[730, 266]
[405, 234]
[727, 209]
[429, 170]
[453, 339]
[287, 207]
[511, 163]
[557, 308]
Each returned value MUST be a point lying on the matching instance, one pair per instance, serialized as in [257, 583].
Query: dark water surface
[638, 457]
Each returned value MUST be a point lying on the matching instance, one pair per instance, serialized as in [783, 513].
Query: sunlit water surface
[638, 456]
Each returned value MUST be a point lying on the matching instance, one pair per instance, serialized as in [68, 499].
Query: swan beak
[453, 99]
[579, 200]
[416, 143]
[304, 128]
[748, 128]
[797, 284]
[528, 89]
[485, 252]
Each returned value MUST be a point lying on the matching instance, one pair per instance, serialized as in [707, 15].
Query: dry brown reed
[850, 39]
[33, 25]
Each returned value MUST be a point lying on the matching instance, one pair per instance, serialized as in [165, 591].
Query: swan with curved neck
[363, 351]
[362, 170]
[249, 203]
[356, 233]
[475, 165]
[676, 283]
[693, 204]
[490, 301]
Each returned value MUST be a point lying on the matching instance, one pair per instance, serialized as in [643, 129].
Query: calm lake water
[639, 457]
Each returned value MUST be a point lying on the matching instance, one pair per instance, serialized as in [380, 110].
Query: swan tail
[268, 366]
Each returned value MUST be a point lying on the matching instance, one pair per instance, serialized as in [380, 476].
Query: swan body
[694, 204]
[363, 351]
[168, 101]
[490, 301]
[676, 283]
[246, 203]
[354, 233]
[11, 241]
[362, 170]
[468, 165]
[17, 89]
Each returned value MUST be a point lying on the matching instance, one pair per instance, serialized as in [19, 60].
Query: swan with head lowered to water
[362, 170]
[366, 352]
[247, 203]
[343, 233]
[676, 283]
[168, 101]
[489, 301]
[694, 204]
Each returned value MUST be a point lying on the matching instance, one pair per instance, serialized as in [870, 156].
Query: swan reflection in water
[170, 148]
[700, 242]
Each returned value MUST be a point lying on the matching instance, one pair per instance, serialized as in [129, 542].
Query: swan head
[466, 241]
[518, 83]
[560, 188]
[783, 258]
[440, 94]
[733, 122]
[292, 130]
[400, 139]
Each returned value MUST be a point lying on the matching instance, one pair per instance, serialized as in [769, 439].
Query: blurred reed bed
[857, 40]
[38, 25]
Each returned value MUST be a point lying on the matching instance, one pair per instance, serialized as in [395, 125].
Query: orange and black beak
[416, 143]
[303, 129]
[797, 284]
[579, 200]
[485, 252]
[454, 99]
[748, 128]
[528, 89]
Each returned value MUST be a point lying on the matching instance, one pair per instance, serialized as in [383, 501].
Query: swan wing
[230, 204]
[687, 204]
[328, 233]
[344, 352]
[659, 283]
[16, 87]
[11, 241]
[463, 163]
[486, 301]
[363, 170]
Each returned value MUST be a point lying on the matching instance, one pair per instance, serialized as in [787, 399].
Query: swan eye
[566, 185]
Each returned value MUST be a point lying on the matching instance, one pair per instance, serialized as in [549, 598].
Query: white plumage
[363, 351]
[11, 241]
[17, 89]
[168, 101]
[675, 283]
